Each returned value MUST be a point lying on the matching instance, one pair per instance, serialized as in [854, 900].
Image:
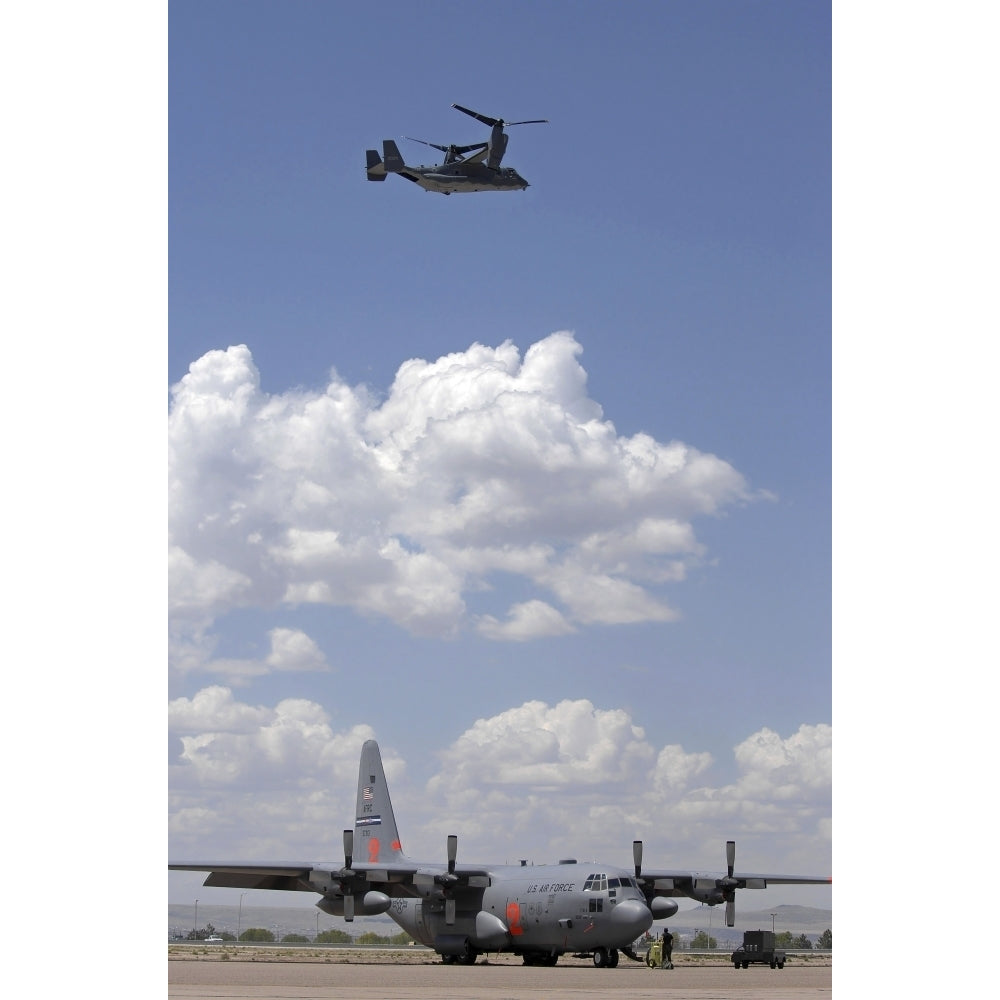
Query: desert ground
[267, 973]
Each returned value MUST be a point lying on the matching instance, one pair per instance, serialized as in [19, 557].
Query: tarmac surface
[493, 979]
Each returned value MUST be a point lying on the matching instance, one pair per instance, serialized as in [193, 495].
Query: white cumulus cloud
[535, 778]
[529, 620]
[481, 462]
[292, 649]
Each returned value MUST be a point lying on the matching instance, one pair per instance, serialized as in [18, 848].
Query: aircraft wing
[671, 882]
[317, 876]
[249, 875]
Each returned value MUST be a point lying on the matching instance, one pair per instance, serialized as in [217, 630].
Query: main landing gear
[605, 958]
[530, 958]
[469, 958]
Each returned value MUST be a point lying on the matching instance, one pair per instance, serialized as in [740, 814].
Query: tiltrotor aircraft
[458, 172]
[538, 912]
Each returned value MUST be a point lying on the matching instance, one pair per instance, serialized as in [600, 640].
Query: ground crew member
[667, 953]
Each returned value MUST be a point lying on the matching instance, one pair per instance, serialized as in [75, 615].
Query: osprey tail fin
[393, 158]
[376, 169]
[375, 835]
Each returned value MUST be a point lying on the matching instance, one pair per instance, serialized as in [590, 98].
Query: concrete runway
[312, 980]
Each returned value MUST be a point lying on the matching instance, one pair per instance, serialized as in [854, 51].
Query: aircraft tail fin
[393, 158]
[375, 835]
[376, 169]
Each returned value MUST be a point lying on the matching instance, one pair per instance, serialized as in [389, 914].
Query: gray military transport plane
[461, 911]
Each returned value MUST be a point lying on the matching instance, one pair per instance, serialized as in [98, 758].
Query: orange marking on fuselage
[373, 846]
[397, 846]
[514, 918]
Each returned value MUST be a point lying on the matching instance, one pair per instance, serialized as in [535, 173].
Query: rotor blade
[444, 149]
[348, 848]
[730, 857]
[349, 906]
[731, 913]
[533, 121]
[479, 118]
[452, 852]
[637, 857]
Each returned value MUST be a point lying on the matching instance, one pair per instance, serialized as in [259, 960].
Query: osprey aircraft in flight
[538, 912]
[459, 172]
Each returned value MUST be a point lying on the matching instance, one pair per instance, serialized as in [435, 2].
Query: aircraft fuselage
[451, 177]
[536, 909]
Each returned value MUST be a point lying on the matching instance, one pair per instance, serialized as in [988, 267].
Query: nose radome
[632, 914]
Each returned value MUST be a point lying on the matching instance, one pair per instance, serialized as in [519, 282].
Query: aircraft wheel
[613, 958]
[781, 965]
[601, 958]
[774, 965]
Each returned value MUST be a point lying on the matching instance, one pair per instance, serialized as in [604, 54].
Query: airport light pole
[239, 918]
[773, 915]
[196, 920]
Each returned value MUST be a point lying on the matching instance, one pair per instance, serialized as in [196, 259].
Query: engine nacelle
[661, 907]
[369, 904]
[707, 894]
[498, 146]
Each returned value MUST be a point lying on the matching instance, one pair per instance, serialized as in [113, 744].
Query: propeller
[498, 138]
[348, 858]
[449, 901]
[659, 906]
[728, 884]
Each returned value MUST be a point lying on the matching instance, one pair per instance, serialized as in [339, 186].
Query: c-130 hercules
[458, 172]
[538, 912]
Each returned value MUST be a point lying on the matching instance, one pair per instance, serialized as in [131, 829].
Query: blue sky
[90, 351]
[465, 470]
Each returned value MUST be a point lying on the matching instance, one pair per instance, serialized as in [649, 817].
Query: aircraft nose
[632, 916]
